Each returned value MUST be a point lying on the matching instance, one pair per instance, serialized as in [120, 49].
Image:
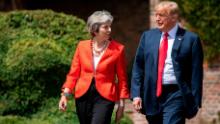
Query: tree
[203, 17]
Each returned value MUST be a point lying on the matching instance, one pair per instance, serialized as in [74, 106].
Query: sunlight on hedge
[36, 49]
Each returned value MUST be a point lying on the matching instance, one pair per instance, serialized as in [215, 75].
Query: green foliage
[50, 113]
[203, 17]
[36, 48]
[47, 114]
[124, 120]
[12, 120]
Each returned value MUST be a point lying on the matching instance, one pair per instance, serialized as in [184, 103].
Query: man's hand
[137, 103]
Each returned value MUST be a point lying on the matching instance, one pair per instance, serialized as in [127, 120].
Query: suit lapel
[156, 45]
[177, 42]
[89, 53]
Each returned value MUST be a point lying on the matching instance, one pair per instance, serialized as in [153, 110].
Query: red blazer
[111, 64]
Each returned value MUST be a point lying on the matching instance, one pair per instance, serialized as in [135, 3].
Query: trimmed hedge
[36, 48]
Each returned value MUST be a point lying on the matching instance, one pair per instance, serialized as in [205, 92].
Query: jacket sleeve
[122, 76]
[74, 72]
[197, 71]
[137, 78]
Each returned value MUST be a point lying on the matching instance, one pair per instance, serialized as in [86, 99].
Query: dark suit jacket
[187, 58]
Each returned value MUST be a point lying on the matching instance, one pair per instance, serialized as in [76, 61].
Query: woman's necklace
[98, 51]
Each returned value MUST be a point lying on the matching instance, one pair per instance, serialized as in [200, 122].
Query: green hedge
[36, 48]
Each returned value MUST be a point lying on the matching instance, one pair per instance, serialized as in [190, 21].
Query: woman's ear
[95, 33]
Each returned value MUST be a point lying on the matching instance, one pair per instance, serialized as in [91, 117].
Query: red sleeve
[74, 72]
[122, 76]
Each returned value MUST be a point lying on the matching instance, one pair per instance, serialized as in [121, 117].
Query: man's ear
[174, 18]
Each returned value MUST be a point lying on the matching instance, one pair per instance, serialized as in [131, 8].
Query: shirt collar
[172, 32]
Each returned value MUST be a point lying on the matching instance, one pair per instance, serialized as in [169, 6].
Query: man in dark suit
[168, 70]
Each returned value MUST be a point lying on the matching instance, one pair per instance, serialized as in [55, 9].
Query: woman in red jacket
[96, 65]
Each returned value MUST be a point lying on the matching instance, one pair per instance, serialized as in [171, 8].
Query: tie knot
[166, 34]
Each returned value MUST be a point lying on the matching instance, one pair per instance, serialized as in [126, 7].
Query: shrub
[203, 17]
[36, 48]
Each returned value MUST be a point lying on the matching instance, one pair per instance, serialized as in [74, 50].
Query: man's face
[164, 20]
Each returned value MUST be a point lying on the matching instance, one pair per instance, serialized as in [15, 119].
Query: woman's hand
[63, 103]
[64, 99]
[120, 111]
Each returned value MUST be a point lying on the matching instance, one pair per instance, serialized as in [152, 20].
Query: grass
[49, 114]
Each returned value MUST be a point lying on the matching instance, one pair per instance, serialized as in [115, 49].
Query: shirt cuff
[136, 98]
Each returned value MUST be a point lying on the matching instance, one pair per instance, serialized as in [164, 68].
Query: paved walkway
[137, 118]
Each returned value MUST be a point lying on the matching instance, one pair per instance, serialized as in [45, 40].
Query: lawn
[49, 114]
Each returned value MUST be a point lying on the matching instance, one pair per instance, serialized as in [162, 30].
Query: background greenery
[48, 113]
[203, 17]
[36, 49]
